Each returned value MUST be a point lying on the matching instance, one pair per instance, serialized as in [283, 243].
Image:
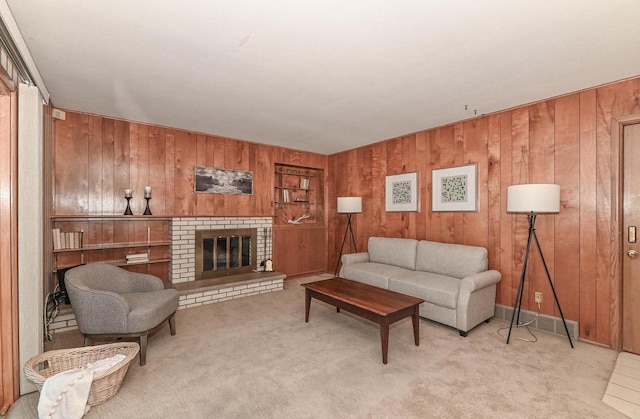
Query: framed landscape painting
[224, 181]
[455, 188]
[402, 192]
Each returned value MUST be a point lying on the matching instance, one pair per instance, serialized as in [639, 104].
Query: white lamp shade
[349, 204]
[533, 197]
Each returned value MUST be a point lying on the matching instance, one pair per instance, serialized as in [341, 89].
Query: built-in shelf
[109, 238]
[113, 246]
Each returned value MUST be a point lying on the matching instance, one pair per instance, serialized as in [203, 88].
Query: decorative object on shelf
[128, 195]
[299, 219]
[348, 205]
[224, 181]
[455, 188]
[402, 192]
[147, 196]
[533, 199]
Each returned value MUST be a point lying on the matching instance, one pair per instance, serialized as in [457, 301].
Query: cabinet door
[312, 250]
[284, 251]
[298, 251]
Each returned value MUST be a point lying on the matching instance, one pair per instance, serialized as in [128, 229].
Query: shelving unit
[110, 238]
[299, 248]
[299, 191]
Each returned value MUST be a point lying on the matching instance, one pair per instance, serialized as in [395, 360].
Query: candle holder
[128, 210]
[147, 210]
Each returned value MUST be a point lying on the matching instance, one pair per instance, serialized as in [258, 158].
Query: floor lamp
[348, 205]
[533, 199]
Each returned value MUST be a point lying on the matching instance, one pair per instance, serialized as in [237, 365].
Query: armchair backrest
[106, 277]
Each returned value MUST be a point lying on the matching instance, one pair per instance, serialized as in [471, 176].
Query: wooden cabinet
[299, 250]
[299, 234]
[110, 239]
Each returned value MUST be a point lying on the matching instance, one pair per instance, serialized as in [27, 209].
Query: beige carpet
[255, 357]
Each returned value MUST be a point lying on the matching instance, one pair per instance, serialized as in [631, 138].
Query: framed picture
[224, 181]
[455, 188]
[402, 192]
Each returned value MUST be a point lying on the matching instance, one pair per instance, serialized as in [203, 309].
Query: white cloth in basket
[65, 394]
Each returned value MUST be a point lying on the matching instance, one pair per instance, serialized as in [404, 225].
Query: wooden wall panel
[505, 286]
[112, 155]
[567, 223]
[606, 101]
[9, 355]
[71, 161]
[541, 169]
[422, 167]
[493, 192]
[474, 229]
[588, 243]
[157, 170]
[565, 140]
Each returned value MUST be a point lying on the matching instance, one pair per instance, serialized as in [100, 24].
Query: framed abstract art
[402, 192]
[455, 188]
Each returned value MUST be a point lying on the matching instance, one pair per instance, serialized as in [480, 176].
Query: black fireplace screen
[225, 252]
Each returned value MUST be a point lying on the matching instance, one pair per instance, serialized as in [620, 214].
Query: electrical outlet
[538, 297]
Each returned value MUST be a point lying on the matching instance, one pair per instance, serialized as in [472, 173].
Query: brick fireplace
[183, 269]
[182, 236]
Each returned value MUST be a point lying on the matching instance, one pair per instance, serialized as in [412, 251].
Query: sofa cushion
[396, 252]
[375, 274]
[454, 260]
[433, 288]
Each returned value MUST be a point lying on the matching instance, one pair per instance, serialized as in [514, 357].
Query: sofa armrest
[478, 281]
[351, 258]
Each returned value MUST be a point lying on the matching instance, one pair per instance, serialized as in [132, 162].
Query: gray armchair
[111, 303]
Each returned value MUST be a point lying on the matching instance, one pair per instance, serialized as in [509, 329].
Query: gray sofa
[453, 279]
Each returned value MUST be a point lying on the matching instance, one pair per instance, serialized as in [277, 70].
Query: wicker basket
[106, 384]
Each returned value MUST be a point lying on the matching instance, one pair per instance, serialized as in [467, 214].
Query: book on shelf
[67, 239]
[304, 183]
[137, 257]
[285, 195]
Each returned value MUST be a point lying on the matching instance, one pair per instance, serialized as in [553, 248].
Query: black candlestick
[147, 210]
[128, 210]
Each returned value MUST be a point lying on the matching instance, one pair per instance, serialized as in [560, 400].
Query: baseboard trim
[544, 322]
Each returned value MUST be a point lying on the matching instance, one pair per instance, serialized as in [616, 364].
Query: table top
[377, 300]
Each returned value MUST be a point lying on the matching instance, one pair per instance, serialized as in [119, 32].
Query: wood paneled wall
[9, 354]
[96, 158]
[566, 140]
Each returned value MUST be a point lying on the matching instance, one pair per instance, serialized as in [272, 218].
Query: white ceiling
[322, 76]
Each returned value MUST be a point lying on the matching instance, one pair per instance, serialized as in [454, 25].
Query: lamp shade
[349, 204]
[533, 197]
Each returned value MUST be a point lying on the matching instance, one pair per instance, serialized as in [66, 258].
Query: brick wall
[182, 233]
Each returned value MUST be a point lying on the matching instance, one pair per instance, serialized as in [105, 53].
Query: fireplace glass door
[225, 252]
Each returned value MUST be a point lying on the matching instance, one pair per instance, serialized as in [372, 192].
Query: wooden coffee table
[372, 303]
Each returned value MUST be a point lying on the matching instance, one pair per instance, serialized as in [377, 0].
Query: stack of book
[67, 239]
[137, 258]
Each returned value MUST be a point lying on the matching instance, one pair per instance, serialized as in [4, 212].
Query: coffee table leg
[307, 304]
[416, 326]
[384, 336]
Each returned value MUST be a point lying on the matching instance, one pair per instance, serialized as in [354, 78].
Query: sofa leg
[463, 334]
[88, 341]
[143, 349]
[488, 320]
